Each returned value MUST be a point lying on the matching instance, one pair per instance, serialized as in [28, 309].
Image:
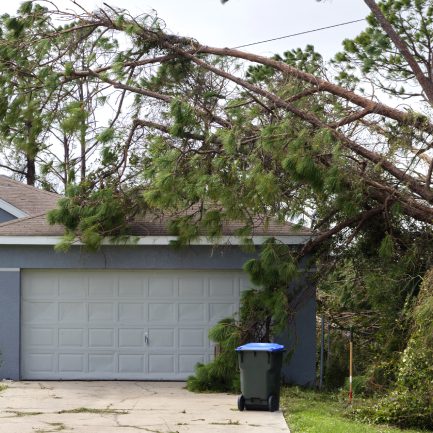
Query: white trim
[12, 209]
[9, 269]
[154, 240]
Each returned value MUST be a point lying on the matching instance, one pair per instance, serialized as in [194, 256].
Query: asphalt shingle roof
[37, 203]
[27, 198]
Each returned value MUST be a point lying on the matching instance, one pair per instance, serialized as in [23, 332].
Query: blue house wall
[13, 258]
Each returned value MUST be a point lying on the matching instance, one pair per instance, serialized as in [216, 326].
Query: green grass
[314, 412]
[3, 387]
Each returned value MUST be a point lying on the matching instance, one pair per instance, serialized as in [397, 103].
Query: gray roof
[27, 198]
[37, 203]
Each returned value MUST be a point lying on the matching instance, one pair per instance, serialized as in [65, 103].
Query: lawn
[314, 412]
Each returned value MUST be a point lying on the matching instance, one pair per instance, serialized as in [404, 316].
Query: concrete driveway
[125, 407]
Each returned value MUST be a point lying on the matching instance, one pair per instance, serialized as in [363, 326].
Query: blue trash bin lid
[263, 347]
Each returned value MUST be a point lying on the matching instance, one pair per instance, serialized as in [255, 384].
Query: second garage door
[122, 324]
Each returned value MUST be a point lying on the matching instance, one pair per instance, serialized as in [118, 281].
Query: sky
[241, 22]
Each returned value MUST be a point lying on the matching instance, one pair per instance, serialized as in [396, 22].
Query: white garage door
[121, 324]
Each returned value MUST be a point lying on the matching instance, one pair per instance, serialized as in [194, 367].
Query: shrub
[222, 374]
[410, 404]
[263, 314]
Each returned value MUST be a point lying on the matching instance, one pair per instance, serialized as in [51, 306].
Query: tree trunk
[31, 171]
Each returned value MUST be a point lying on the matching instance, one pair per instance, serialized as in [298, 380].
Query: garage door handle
[146, 339]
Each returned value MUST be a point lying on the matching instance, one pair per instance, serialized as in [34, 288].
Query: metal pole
[322, 350]
[350, 366]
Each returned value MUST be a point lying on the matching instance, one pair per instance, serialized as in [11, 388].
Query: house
[126, 312]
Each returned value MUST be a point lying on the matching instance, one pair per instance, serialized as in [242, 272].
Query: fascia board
[155, 240]
[12, 209]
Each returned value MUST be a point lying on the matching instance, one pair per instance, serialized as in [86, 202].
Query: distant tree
[49, 124]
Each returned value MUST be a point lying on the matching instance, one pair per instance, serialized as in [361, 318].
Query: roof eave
[299, 239]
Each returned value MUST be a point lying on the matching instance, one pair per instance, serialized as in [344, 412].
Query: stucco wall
[120, 257]
[300, 370]
[300, 337]
[9, 323]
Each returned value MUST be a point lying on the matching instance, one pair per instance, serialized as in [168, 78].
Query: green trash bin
[260, 367]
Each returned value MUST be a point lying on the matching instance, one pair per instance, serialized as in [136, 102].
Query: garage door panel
[72, 337]
[40, 312]
[161, 337]
[187, 363]
[191, 338]
[132, 286]
[191, 312]
[161, 364]
[41, 362]
[102, 338]
[73, 285]
[72, 312]
[71, 362]
[132, 363]
[102, 363]
[127, 325]
[161, 287]
[42, 286]
[222, 286]
[103, 285]
[39, 337]
[131, 338]
[161, 312]
[131, 312]
[101, 312]
[218, 311]
[192, 287]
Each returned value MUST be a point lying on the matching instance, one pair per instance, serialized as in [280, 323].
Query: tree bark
[30, 171]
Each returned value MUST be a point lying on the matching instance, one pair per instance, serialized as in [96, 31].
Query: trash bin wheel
[241, 402]
[273, 403]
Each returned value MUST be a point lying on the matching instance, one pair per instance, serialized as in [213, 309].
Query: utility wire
[300, 33]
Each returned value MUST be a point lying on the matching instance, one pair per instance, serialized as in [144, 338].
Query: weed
[229, 422]
[18, 413]
[91, 410]
[58, 426]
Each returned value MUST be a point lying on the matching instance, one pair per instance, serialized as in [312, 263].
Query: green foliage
[92, 215]
[264, 313]
[75, 116]
[360, 386]
[373, 55]
[306, 59]
[183, 118]
[222, 373]
[410, 404]
[386, 249]
[226, 152]
[372, 287]
[336, 365]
